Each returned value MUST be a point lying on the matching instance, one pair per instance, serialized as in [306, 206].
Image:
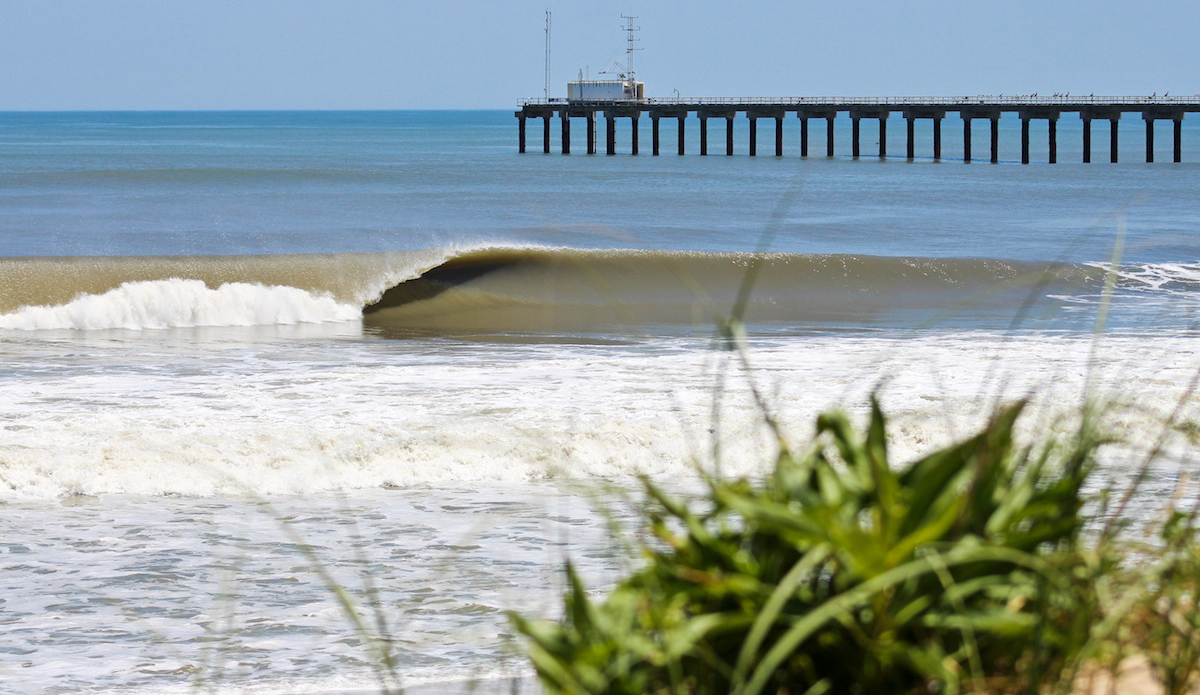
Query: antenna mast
[547, 88]
[630, 46]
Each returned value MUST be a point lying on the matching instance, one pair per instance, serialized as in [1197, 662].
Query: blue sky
[390, 54]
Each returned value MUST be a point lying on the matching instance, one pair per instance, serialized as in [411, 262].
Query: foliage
[842, 572]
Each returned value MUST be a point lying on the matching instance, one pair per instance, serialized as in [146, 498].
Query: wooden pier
[989, 108]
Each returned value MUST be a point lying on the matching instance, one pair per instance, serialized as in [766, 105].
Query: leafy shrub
[841, 572]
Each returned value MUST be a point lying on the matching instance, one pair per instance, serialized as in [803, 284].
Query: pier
[827, 109]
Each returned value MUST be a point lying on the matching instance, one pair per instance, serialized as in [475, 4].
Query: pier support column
[911, 140]
[654, 135]
[966, 138]
[1053, 127]
[1112, 139]
[1024, 140]
[829, 136]
[633, 136]
[937, 139]
[779, 136]
[995, 139]
[729, 136]
[1087, 140]
[854, 136]
[591, 133]
[703, 136]
[546, 134]
[565, 122]
[1149, 137]
[610, 145]
[521, 140]
[803, 137]
[753, 135]
[680, 133]
[1178, 120]
[883, 136]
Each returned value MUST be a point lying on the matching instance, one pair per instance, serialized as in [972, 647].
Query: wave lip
[180, 303]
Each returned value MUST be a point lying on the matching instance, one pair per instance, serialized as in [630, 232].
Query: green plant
[843, 573]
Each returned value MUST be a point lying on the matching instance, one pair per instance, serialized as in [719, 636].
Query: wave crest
[179, 303]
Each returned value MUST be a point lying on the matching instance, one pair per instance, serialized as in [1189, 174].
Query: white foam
[178, 303]
[354, 416]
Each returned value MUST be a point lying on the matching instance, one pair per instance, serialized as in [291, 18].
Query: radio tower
[547, 88]
[630, 47]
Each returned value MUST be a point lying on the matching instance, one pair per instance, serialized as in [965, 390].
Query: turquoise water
[432, 356]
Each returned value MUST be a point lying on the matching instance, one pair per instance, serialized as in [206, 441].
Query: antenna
[630, 46]
[547, 88]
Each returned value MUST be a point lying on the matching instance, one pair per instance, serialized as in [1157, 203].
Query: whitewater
[233, 343]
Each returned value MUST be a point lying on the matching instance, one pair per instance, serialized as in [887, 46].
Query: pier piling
[995, 139]
[1053, 125]
[1112, 138]
[779, 136]
[911, 141]
[753, 134]
[1178, 121]
[1024, 139]
[803, 136]
[854, 141]
[565, 127]
[1149, 118]
[729, 136]
[1087, 139]
[966, 137]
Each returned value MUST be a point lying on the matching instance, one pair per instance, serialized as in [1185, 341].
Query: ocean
[245, 356]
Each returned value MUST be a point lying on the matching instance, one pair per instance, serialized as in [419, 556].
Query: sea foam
[178, 303]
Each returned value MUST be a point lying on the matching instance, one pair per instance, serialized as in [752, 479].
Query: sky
[488, 54]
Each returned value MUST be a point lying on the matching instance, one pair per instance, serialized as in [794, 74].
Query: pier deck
[969, 108]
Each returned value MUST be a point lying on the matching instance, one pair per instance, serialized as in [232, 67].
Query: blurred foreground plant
[843, 573]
